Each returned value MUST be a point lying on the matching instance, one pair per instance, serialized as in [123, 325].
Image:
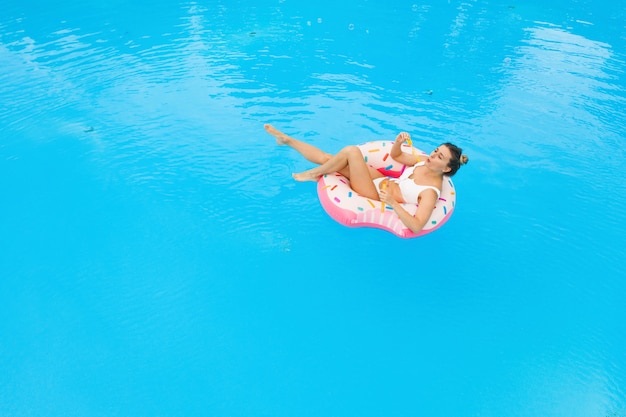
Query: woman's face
[439, 159]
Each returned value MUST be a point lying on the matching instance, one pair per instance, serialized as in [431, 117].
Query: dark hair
[456, 160]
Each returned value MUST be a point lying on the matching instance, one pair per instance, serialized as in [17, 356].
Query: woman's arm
[396, 151]
[415, 223]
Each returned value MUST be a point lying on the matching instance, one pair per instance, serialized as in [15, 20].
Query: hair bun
[463, 159]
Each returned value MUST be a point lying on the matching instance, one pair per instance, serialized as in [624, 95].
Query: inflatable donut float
[349, 208]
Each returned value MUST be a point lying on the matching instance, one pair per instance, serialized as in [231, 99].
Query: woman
[421, 184]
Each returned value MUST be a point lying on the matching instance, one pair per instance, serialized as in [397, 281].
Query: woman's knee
[352, 150]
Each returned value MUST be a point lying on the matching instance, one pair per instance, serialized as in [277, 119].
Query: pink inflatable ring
[349, 208]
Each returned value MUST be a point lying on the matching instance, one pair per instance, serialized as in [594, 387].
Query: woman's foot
[281, 138]
[309, 175]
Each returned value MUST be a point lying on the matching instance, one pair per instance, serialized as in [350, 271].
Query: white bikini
[409, 189]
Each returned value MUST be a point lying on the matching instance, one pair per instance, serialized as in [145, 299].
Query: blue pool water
[157, 259]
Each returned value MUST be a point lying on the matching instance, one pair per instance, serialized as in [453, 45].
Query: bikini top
[410, 190]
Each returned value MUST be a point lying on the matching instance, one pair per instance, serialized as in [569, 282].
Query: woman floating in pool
[421, 185]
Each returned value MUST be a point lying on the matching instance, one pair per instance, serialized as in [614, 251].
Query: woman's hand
[398, 155]
[384, 194]
[402, 137]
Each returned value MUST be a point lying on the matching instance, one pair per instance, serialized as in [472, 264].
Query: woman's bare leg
[310, 152]
[351, 159]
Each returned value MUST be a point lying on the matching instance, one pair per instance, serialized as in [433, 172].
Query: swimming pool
[158, 259]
